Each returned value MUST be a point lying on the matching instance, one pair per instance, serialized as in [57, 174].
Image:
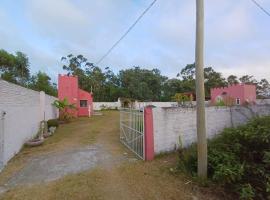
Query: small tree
[64, 107]
[181, 98]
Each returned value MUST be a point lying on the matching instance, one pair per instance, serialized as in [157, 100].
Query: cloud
[236, 34]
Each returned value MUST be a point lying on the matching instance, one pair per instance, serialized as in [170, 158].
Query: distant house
[237, 94]
[68, 87]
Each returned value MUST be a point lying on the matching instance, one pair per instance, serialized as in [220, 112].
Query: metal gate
[132, 130]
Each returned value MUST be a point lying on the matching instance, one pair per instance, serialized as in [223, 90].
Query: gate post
[148, 133]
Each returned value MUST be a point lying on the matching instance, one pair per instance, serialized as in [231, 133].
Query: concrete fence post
[42, 105]
[148, 134]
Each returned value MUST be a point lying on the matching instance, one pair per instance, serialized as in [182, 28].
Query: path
[85, 160]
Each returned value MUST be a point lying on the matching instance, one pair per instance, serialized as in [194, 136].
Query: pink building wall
[68, 87]
[244, 92]
[148, 134]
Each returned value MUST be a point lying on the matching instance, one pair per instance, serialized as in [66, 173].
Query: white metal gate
[132, 130]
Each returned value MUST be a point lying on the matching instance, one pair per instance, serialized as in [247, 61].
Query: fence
[132, 130]
[21, 110]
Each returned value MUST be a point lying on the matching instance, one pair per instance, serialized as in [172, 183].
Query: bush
[239, 158]
[52, 123]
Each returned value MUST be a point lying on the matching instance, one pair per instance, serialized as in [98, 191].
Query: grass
[79, 132]
[139, 180]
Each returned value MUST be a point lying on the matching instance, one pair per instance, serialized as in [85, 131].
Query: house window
[83, 103]
[238, 101]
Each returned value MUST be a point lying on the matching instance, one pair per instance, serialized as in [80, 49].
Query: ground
[85, 160]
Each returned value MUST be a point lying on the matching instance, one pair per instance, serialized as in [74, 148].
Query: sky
[237, 34]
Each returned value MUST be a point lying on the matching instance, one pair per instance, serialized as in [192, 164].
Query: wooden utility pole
[200, 95]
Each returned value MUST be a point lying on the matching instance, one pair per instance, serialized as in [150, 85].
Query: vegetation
[181, 98]
[239, 159]
[52, 123]
[135, 82]
[16, 69]
[64, 109]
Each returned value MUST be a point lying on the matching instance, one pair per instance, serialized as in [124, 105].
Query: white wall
[171, 124]
[24, 110]
[106, 105]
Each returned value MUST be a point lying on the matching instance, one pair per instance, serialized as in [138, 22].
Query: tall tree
[212, 79]
[42, 82]
[247, 79]
[263, 89]
[232, 79]
[14, 68]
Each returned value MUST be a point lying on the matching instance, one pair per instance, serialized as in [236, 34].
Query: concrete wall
[106, 105]
[174, 124]
[24, 110]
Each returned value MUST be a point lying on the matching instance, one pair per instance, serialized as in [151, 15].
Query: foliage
[65, 109]
[143, 84]
[14, 68]
[181, 98]
[53, 123]
[42, 82]
[212, 78]
[238, 159]
[232, 79]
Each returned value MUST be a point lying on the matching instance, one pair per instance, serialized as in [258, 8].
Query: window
[83, 103]
[238, 101]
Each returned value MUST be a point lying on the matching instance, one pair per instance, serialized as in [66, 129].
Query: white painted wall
[137, 105]
[24, 110]
[106, 105]
[171, 124]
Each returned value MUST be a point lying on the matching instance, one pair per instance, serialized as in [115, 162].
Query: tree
[14, 68]
[22, 71]
[232, 79]
[212, 79]
[142, 84]
[247, 79]
[263, 89]
[42, 82]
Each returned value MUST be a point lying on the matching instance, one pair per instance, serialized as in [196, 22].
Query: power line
[264, 10]
[128, 30]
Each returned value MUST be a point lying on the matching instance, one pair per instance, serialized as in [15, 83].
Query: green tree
[42, 82]
[142, 84]
[247, 79]
[232, 79]
[263, 89]
[14, 68]
[212, 79]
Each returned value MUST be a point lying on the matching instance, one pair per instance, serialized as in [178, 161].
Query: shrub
[239, 158]
[52, 123]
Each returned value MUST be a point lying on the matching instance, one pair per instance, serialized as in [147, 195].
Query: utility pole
[200, 95]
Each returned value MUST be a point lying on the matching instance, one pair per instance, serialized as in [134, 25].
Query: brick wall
[174, 124]
[24, 109]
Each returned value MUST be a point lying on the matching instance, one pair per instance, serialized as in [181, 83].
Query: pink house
[237, 94]
[68, 87]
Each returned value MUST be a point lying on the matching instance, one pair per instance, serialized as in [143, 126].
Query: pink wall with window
[239, 93]
[68, 87]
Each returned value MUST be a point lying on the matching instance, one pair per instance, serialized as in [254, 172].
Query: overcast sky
[237, 34]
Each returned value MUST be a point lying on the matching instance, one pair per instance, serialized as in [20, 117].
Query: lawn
[127, 180]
